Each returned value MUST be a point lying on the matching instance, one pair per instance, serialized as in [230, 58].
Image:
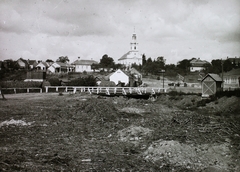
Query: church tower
[134, 44]
[132, 56]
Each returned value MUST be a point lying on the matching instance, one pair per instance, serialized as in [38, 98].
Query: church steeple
[134, 44]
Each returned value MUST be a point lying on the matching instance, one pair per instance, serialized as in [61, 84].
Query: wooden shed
[211, 84]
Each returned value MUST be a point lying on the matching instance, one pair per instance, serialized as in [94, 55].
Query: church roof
[124, 56]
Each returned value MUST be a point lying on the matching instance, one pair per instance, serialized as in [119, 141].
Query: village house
[83, 65]
[32, 63]
[133, 56]
[119, 77]
[131, 78]
[42, 66]
[232, 78]
[22, 63]
[198, 65]
[235, 61]
[59, 67]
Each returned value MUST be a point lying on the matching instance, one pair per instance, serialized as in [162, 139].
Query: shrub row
[83, 81]
[20, 90]
[228, 93]
[21, 84]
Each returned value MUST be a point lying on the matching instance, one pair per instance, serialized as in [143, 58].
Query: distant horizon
[177, 30]
[114, 60]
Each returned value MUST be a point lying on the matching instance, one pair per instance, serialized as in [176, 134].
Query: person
[1, 92]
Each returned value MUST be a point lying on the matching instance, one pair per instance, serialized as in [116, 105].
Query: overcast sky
[176, 29]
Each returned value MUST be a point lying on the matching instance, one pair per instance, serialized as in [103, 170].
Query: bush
[83, 81]
[54, 81]
[21, 84]
[228, 93]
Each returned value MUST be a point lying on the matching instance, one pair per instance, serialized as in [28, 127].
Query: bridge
[108, 90]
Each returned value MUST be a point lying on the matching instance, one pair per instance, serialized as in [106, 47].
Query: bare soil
[82, 132]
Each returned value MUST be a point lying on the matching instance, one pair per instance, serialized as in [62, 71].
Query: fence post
[46, 89]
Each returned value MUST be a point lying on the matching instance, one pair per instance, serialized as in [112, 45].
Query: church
[132, 56]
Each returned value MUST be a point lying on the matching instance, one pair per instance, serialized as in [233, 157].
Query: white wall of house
[81, 68]
[51, 69]
[41, 66]
[193, 69]
[119, 76]
[21, 64]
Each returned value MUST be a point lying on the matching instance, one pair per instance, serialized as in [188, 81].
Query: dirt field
[81, 132]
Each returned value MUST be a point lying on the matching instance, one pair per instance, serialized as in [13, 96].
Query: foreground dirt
[81, 132]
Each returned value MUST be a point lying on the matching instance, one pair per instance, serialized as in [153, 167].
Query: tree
[49, 61]
[216, 66]
[63, 59]
[149, 60]
[144, 61]
[161, 61]
[184, 64]
[106, 62]
[227, 65]
[95, 66]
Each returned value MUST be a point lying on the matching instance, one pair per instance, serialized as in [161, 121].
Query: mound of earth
[134, 134]
[225, 104]
[189, 156]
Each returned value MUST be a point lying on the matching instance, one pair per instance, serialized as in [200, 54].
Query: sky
[175, 29]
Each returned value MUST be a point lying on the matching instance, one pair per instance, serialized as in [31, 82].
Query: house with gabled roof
[198, 65]
[42, 66]
[232, 78]
[32, 63]
[83, 65]
[59, 67]
[22, 63]
[119, 77]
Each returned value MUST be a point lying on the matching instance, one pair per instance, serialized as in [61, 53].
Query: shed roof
[215, 77]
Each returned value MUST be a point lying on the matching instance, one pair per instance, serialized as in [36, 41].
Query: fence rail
[90, 90]
[107, 90]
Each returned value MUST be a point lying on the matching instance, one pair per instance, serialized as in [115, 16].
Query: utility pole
[222, 73]
[162, 71]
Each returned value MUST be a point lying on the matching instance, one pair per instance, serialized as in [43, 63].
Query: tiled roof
[84, 62]
[198, 62]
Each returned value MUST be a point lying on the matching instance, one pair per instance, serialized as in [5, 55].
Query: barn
[211, 84]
